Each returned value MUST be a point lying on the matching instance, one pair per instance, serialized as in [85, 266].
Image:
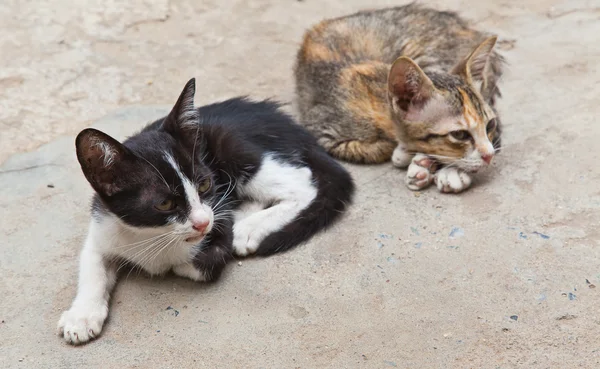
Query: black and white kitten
[193, 188]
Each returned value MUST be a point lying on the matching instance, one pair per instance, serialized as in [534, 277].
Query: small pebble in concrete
[456, 232]
[544, 236]
[175, 311]
[514, 317]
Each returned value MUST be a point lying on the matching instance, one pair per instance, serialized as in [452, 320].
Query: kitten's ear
[472, 68]
[103, 161]
[183, 115]
[408, 85]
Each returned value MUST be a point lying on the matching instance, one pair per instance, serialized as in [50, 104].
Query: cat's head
[445, 115]
[155, 179]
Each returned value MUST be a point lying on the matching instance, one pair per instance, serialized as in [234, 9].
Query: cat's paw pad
[452, 180]
[419, 174]
[400, 157]
[82, 323]
[245, 238]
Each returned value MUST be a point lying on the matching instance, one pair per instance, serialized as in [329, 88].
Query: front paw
[419, 174]
[245, 238]
[82, 323]
[401, 158]
[452, 180]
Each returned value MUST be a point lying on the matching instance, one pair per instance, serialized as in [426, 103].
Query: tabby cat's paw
[452, 180]
[82, 323]
[419, 174]
[400, 157]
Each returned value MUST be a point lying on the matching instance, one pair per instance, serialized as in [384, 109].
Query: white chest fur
[155, 250]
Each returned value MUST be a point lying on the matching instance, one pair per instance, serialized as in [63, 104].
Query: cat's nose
[487, 158]
[200, 226]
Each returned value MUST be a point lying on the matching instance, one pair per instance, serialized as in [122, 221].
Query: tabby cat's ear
[183, 115]
[408, 85]
[472, 68]
[105, 162]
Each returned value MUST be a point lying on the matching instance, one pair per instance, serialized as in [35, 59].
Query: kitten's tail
[335, 189]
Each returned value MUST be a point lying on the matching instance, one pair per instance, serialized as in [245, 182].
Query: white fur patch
[108, 153]
[189, 116]
[199, 212]
[289, 189]
[187, 270]
[401, 157]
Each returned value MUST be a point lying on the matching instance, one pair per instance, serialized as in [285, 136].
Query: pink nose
[487, 158]
[200, 226]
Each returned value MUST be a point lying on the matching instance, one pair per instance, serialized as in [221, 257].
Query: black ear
[184, 115]
[104, 161]
[408, 85]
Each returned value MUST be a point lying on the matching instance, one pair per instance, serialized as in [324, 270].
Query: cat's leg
[452, 180]
[289, 188]
[97, 277]
[401, 158]
[420, 172]
[246, 209]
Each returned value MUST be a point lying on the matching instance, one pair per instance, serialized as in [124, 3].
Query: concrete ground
[502, 276]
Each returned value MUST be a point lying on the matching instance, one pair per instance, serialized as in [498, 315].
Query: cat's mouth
[194, 238]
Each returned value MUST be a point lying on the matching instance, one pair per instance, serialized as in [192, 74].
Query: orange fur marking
[472, 118]
[367, 103]
[315, 51]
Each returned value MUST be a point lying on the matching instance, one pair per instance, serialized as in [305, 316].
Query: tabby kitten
[408, 83]
[193, 188]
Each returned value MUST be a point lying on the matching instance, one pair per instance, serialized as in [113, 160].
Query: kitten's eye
[491, 125]
[204, 185]
[165, 205]
[461, 135]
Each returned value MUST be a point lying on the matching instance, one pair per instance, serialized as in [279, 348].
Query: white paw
[246, 238]
[420, 172]
[400, 157]
[189, 271]
[452, 180]
[82, 323]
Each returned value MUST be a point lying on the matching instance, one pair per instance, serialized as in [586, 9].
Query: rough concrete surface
[501, 276]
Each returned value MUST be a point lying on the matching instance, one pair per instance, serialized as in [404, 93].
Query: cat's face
[444, 115]
[155, 181]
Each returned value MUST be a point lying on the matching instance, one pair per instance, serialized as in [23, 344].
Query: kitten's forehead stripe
[190, 190]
